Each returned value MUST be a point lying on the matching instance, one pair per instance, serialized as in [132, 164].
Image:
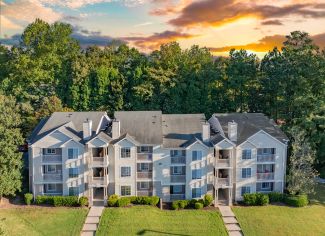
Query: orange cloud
[167, 7]
[217, 13]
[154, 41]
[267, 43]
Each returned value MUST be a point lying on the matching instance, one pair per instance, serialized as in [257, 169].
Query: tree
[48, 106]
[301, 175]
[10, 139]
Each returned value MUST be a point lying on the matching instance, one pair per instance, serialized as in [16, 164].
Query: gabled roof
[247, 125]
[144, 126]
[179, 129]
[72, 120]
[125, 136]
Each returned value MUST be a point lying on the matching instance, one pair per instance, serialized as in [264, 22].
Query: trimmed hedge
[83, 201]
[198, 205]
[28, 197]
[68, 201]
[276, 197]
[115, 201]
[256, 199]
[296, 201]
[208, 199]
[192, 204]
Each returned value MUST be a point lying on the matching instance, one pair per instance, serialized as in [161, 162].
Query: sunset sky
[257, 26]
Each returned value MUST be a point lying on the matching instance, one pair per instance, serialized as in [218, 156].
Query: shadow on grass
[144, 231]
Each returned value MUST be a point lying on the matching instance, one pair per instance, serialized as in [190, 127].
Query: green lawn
[41, 221]
[146, 220]
[283, 220]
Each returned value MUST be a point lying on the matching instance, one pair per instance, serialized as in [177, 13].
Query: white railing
[223, 182]
[177, 178]
[265, 157]
[98, 181]
[223, 163]
[52, 177]
[265, 176]
[99, 161]
[144, 175]
[178, 160]
[51, 158]
[144, 156]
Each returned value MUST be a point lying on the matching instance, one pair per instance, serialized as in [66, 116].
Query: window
[265, 151]
[145, 149]
[265, 168]
[196, 155]
[246, 154]
[143, 167]
[196, 174]
[73, 191]
[196, 192]
[246, 172]
[125, 171]
[51, 187]
[50, 151]
[266, 185]
[73, 153]
[51, 169]
[177, 153]
[125, 152]
[73, 172]
[177, 189]
[144, 185]
[245, 189]
[125, 190]
[177, 170]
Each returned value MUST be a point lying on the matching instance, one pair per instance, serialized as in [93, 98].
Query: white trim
[247, 141]
[241, 172]
[197, 141]
[94, 138]
[128, 176]
[123, 158]
[262, 131]
[227, 140]
[127, 185]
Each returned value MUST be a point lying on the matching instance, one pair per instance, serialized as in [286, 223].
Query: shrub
[68, 201]
[183, 203]
[154, 200]
[208, 199]
[112, 200]
[297, 200]
[262, 199]
[192, 203]
[44, 200]
[83, 201]
[28, 198]
[250, 199]
[275, 197]
[123, 201]
[256, 199]
[198, 205]
[175, 205]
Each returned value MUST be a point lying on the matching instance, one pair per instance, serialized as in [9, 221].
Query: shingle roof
[58, 119]
[249, 124]
[179, 129]
[144, 126]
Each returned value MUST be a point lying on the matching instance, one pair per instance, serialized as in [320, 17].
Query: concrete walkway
[92, 221]
[230, 221]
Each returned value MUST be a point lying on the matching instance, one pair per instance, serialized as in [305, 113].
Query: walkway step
[92, 220]
[90, 233]
[233, 227]
[96, 211]
[226, 211]
[235, 233]
[89, 227]
[230, 220]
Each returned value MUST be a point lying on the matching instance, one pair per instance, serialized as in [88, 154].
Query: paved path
[230, 221]
[92, 221]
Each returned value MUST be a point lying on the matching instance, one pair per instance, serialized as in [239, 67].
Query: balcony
[223, 163]
[98, 181]
[177, 178]
[144, 175]
[144, 156]
[265, 176]
[99, 161]
[52, 177]
[178, 160]
[266, 158]
[52, 158]
[180, 196]
[222, 182]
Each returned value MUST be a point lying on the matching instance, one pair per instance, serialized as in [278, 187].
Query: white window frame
[78, 191]
[195, 157]
[196, 176]
[266, 188]
[51, 190]
[242, 173]
[124, 149]
[175, 168]
[73, 153]
[127, 176]
[247, 187]
[146, 187]
[245, 150]
[144, 169]
[50, 151]
[129, 186]
[77, 168]
[196, 192]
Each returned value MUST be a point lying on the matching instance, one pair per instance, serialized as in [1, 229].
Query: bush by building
[28, 197]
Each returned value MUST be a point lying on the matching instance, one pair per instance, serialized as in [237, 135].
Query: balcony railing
[99, 161]
[222, 182]
[144, 192]
[266, 158]
[178, 160]
[98, 181]
[177, 178]
[223, 163]
[174, 197]
[144, 175]
[144, 156]
[52, 177]
[51, 158]
[265, 176]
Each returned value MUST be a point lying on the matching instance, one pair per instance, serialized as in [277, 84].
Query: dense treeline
[49, 72]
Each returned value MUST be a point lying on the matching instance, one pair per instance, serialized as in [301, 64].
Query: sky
[220, 25]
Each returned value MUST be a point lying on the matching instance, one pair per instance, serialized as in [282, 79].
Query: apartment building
[145, 153]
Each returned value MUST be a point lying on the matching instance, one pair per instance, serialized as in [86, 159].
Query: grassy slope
[146, 220]
[283, 220]
[42, 221]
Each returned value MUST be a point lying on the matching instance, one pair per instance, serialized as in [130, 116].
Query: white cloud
[5, 23]
[143, 24]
